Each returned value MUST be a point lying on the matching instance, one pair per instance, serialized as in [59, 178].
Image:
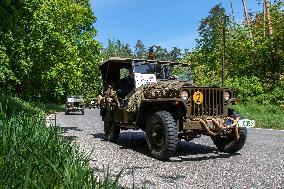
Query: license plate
[246, 123]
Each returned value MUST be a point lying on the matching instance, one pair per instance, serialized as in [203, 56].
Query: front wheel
[230, 144]
[161, 135]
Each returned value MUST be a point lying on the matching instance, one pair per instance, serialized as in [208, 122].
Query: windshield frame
[165, 70]
[187, 73]
[154, 68]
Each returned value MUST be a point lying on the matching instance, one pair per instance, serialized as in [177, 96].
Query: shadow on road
[74, 114]
[66, 129]
[190, 148]
[98, 135]
[133, 140]
[186, 151]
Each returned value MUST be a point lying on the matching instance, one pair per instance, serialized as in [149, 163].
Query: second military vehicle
[74, 103]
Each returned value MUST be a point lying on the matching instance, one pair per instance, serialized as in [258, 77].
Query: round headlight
[183, 95]
[226, 95]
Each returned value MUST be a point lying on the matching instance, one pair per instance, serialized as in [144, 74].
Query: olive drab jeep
[74, 103]
[160, 98]
[94, 103]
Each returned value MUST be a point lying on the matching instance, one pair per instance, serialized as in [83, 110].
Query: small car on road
[94, 103]
[74, 103]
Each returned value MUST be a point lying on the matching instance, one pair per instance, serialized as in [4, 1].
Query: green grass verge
[34, 156]
[265, 116]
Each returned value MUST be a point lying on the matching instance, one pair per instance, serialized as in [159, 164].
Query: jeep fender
[148, 107]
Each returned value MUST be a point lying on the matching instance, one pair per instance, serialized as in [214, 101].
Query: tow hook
[233, 126]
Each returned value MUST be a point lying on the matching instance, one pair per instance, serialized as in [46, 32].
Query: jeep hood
[169, 84]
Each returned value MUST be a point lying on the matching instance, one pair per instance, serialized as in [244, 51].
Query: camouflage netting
[111, 98]
[135, 100]
[152, 90]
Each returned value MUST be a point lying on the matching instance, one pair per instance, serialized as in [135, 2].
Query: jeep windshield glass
[148, 68]
[180, 72]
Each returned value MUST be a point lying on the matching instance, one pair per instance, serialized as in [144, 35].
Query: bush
[34, 156]
[252, 90]
[245, 88]
[266, 116]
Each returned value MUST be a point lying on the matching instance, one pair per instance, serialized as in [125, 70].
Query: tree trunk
[264, 20]
[267, 11]
[247, 18]
[274, 63]
[233, 15]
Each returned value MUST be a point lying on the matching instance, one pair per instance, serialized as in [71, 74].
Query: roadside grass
[35, 156]
[266, 116]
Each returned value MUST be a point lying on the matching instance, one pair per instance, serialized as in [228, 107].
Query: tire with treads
[161, 135]
[230, 144]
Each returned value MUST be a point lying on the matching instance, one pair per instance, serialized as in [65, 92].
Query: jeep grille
[212, 105]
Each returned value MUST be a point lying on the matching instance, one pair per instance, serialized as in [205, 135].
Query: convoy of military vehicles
[160, 98]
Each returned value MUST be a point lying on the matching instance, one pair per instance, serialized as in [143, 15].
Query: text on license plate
[246, 123]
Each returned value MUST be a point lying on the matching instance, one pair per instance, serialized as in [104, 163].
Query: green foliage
[48, 48]
[253, 67]
[118, 48]
[175, 54]
[34, 156]
[245, 88]
[266, 116]
[275, 97]
[140, 51]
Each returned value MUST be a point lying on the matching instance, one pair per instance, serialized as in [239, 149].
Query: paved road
[196, 164]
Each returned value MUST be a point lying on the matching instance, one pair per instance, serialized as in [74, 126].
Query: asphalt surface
[196, 164]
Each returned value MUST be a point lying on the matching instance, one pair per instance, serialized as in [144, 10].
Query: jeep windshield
[149, 68]
[180, 72]
[164, 71]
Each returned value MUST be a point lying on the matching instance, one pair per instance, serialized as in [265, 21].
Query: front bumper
[214, 126]
[75, 109]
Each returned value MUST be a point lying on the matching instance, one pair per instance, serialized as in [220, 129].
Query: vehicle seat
[125, 86]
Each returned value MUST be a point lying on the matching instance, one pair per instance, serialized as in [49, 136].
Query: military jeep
[74, 103]
[160, 98]
[94, 103]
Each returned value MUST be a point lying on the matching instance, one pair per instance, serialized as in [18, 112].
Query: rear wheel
[111, 130]
[230, 143]
[66, 112]
[162, 137]
[83, 112]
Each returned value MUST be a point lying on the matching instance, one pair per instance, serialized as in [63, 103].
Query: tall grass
[34, 156]
[266, 116]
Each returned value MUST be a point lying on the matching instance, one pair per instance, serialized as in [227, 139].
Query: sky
[168, 23]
